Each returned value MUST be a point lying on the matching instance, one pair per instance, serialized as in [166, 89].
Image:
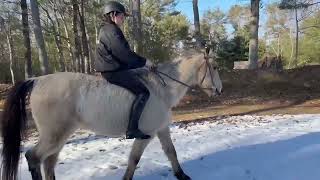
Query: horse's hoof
[137, 134]
[182, 176]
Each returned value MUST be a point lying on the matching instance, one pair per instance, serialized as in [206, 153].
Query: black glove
[153, 68]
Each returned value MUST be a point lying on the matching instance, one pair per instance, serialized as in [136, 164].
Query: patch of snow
[277, 147]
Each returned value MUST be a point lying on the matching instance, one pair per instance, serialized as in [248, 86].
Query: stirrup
[136, 134]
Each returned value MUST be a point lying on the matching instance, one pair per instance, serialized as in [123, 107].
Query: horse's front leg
[168, 148]
[136, 151]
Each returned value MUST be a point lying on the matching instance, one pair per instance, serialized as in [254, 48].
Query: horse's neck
[185, 71]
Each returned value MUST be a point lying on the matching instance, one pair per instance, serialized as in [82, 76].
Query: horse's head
[208, 75]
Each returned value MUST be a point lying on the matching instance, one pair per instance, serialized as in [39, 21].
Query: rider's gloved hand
[152, 67]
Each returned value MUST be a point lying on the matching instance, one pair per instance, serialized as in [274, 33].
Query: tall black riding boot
[136, 110]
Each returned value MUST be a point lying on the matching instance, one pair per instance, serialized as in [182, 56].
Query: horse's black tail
[13, 125]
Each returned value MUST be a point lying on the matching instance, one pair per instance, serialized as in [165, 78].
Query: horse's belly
[112, 121]
[106, 119]
[155, 116]
[109, 114]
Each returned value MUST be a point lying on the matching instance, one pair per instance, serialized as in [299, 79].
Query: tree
[84, 38]
[77, 42]
[196, 21]
[7, 29]
[43, 56]
[254, 38]
[26, 35]
[62, 11]
[295, 5]
[310, 41]
[136, 13]
[277, 29]
[239, 16]
[213, 25]
[70, 29]
[163, 29]
[55, 25]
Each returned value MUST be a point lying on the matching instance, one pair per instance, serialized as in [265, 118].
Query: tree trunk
[96, 28]
[279, 47]
[11, 52]
[77, 49]
[26, 35]
[129, 27]
[292, 48]
[295, 62]
[66, 31]
[43, 56]
[93, 47]
[254, 29]
[197, 34]
[57, 38]
[63, 62]
[85, 42]
[136, 13]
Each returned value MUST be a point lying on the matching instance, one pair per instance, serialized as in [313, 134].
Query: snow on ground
[278, 147]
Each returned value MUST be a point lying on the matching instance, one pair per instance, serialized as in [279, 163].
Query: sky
[185, 6]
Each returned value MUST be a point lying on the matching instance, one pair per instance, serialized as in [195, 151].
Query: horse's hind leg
[136, 151]
[48, 166]
[168, 148]
[34, 163]
[39, 154]
[50, 143]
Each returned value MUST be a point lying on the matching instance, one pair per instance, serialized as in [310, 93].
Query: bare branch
[308, 27]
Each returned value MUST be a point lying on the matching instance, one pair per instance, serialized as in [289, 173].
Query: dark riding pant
[127, 79]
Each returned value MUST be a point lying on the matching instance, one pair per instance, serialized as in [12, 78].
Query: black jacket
[113, 51]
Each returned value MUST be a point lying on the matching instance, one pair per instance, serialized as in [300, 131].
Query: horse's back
[54, 98]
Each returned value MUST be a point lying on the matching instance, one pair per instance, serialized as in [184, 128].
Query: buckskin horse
[63, 102]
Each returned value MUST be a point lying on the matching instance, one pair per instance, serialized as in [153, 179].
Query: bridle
[206, 57]
[208, 66]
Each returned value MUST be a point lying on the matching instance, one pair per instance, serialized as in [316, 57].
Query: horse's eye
[215, 68]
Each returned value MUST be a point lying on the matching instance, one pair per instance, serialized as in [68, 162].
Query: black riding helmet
[114, 6]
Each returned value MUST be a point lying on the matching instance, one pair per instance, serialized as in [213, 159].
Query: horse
[63, 102]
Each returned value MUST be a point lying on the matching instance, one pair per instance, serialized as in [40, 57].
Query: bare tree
[196, 23]
[295, 62]
[137, 29]
[295, 5]
[26, 35]
[57, 38]
[7, 30]
[85, 42]
[254, 29]
[43, 56]
[77, 42]
[68, 40]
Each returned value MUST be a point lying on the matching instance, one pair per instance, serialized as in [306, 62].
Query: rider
[116, 61]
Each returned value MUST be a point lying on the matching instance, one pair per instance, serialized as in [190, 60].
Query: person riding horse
[116, 63]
